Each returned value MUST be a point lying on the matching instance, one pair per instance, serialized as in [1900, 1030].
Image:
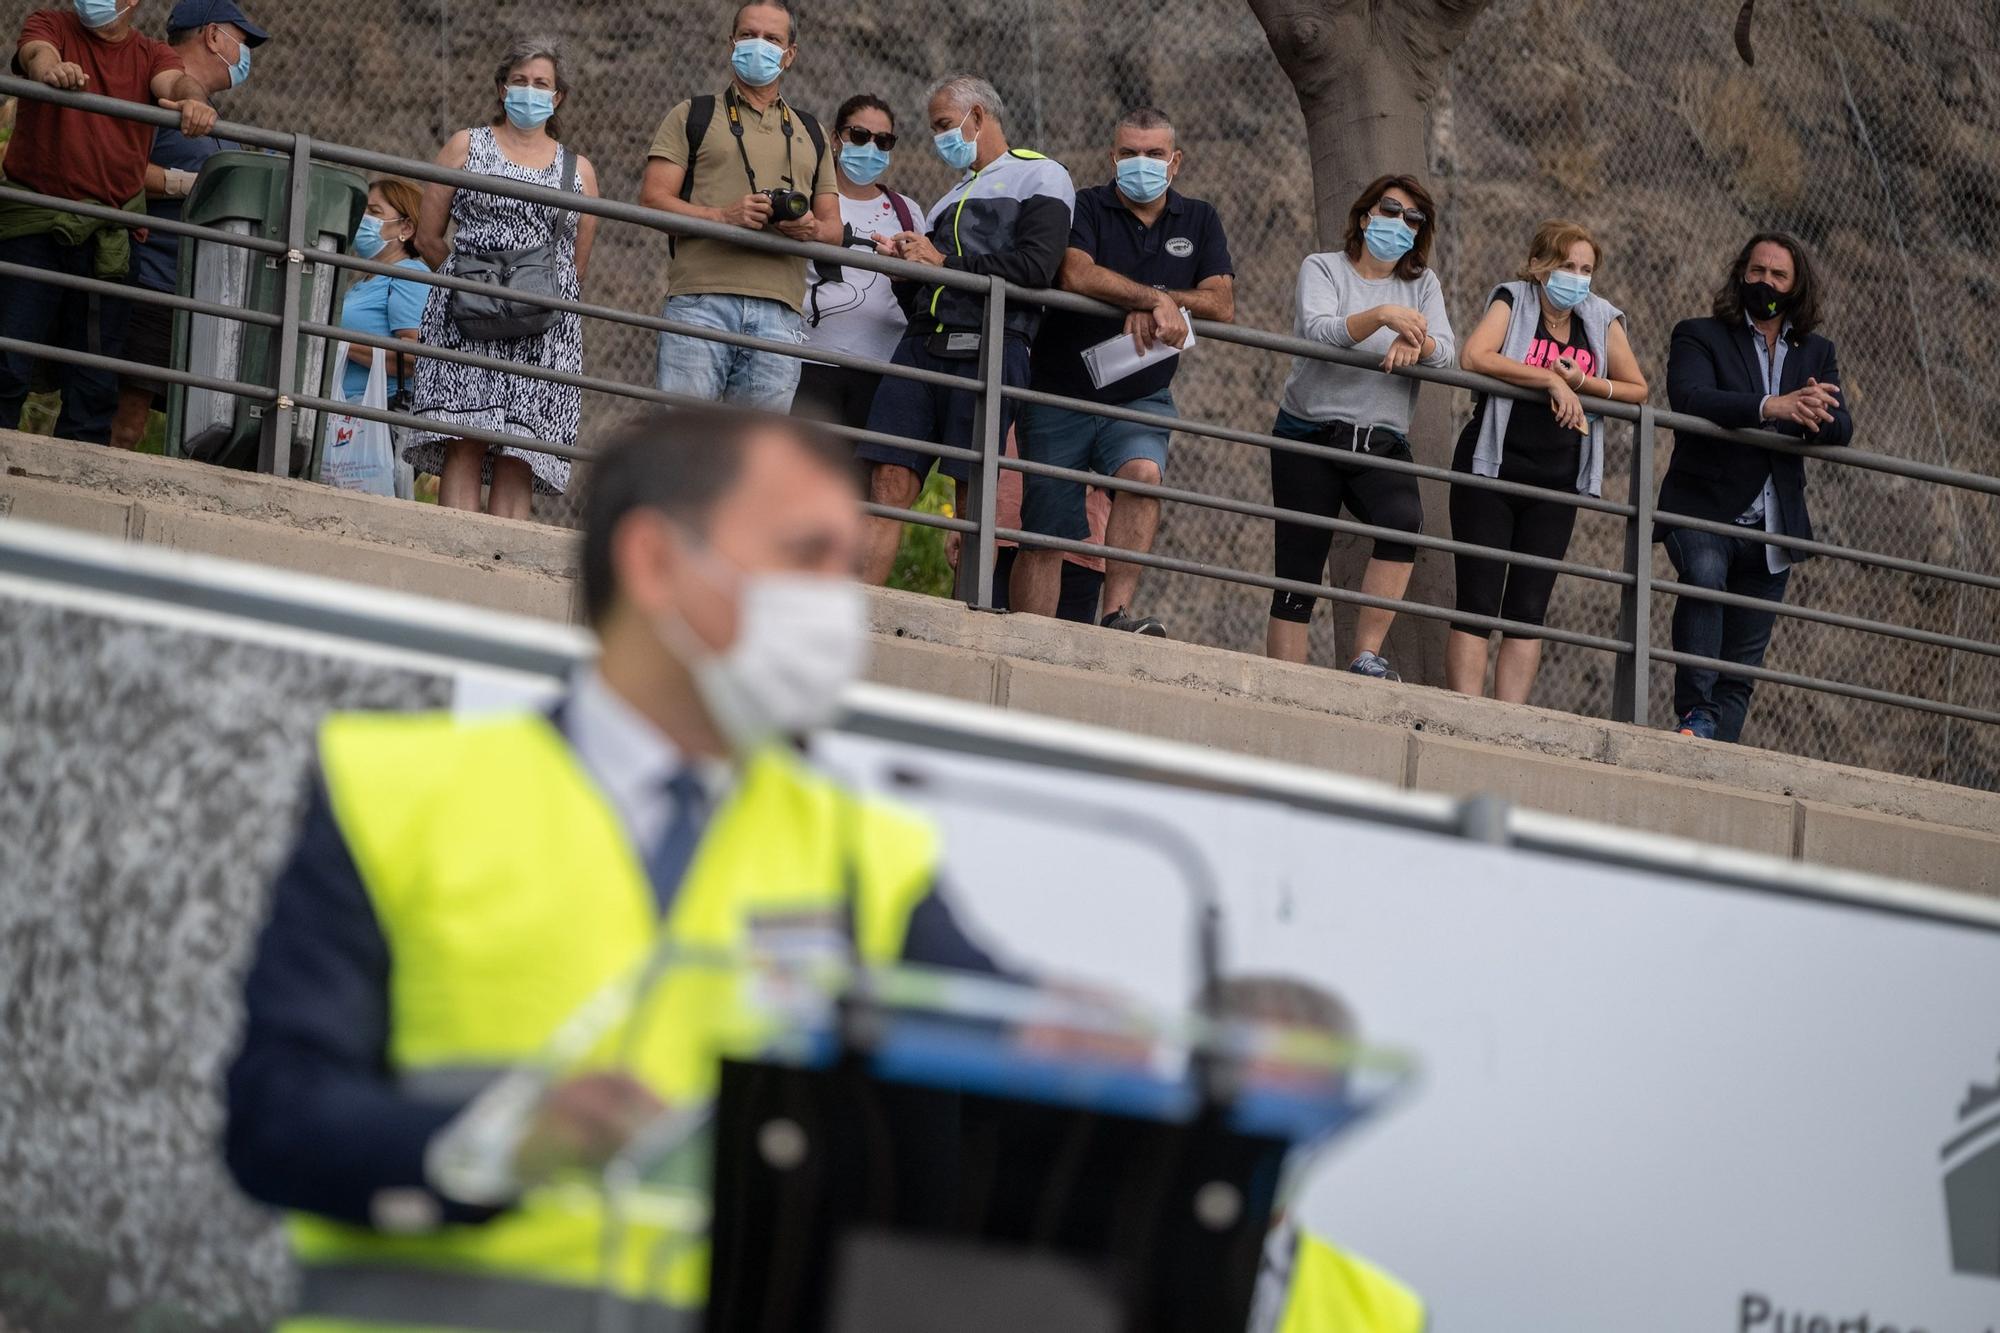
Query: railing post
[1632, 687]
[976, 556]
[274, 447]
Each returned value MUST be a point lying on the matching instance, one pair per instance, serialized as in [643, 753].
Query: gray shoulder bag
[493, 315]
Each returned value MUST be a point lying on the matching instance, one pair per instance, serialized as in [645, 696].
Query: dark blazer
[1714, 371]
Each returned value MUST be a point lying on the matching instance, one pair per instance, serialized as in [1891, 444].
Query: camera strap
[736, 128]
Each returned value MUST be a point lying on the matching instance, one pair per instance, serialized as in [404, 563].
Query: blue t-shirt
[384, 307]
[157, 262]
[1181, 250]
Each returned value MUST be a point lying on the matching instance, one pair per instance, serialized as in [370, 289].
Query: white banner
[1649, 1103]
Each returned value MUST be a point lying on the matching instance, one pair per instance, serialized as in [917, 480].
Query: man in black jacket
[1756, 362]
[1007, 217]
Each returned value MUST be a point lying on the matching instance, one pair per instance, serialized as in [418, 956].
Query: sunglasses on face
[859, 137]
[1389, 208]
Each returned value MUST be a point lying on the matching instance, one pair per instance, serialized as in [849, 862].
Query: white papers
[1116, 358]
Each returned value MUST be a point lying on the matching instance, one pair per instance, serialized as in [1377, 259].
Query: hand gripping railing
[977, 523]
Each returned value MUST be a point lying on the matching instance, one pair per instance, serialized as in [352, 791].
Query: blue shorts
[919, 411]
[1082, 441]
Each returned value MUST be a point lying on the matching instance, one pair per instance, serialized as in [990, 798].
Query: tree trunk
[1366, 72]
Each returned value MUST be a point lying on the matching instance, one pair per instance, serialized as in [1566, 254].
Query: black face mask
[1761, 301]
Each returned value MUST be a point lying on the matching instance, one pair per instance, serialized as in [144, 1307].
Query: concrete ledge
[1404, 735]
[1901, 848]
[1608, 795]
[1219, 722]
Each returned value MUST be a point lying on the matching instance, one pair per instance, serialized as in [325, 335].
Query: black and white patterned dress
[489, 399]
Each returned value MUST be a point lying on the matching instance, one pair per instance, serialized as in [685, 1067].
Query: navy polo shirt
[1178, 252]
[157, 263]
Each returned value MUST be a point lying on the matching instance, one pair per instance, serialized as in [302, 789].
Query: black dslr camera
[787, 205]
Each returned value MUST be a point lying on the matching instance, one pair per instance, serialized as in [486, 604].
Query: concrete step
[1401, 735]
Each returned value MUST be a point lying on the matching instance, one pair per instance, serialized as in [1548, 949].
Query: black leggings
[1318, 486]
[1511, 523]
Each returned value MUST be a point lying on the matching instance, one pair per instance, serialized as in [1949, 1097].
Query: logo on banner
[1972, 1183]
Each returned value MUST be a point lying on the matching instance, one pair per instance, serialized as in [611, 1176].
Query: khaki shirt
[719, 180]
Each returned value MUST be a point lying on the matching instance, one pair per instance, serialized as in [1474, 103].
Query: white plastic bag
[359, 454]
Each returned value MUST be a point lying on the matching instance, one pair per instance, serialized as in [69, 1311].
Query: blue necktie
[667, 862]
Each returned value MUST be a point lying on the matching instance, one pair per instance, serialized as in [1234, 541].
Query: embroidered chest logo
[1180, 247]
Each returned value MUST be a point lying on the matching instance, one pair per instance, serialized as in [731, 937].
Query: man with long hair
[1757, 361]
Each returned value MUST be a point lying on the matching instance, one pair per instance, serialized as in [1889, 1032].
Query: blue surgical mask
[956, 150]
[863, 163]
[240, 71]
[1389, 239]
[1566, 290]
[529, 108]
[368, 238]
[1142, 179]
[96, 14]
[757, 62]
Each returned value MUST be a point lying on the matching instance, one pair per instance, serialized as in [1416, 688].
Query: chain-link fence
[1866, 126]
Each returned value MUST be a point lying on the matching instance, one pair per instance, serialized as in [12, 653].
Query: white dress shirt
[630, 759]
[1764, 512]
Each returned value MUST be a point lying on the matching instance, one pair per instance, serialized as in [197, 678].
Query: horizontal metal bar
[1310, 449]
[120, 366]
[919, 517]
[1863, 692]
[1323, 591]
[595, 384]
[1812, 547]
[125, 291]
[654, 323]
[1838, 619]
[1251, 509]
[131, 221]
[681, 225]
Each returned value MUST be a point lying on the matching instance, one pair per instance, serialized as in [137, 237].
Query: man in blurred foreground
[460, 888]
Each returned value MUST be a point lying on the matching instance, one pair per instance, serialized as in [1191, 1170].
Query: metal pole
[1632, 683]
[274, 447]
[975, 565]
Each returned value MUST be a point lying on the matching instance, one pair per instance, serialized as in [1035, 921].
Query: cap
[200, 13]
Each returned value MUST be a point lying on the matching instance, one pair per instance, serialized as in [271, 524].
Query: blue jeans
[78, 321]
[1083, 442]
[724, 374]
[1709, 629]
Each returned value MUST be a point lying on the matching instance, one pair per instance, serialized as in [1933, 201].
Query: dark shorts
[932, 412]
[1322, 486]
[835, 395]
[149, 340]
[1084, 442]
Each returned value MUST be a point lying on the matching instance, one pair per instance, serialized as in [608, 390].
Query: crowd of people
[745, 157]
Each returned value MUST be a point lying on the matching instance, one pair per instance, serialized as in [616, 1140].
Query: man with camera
[747, 158]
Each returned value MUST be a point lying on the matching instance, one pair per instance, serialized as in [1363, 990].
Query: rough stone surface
[148, 782]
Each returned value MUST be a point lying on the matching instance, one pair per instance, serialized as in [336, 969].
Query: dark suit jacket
[1715, 371]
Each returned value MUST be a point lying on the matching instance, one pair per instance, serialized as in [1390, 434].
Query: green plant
[921, 565]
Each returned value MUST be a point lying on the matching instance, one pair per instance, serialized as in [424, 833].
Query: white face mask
[801, 640]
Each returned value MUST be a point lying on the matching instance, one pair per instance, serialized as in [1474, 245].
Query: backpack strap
[701, 114]
[817, 134]
[903, 218]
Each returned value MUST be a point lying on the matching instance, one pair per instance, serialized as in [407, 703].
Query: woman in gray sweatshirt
[1376, 295]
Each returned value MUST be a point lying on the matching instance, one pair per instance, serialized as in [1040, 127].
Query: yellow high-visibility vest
[509, 894]
[1333, 1291]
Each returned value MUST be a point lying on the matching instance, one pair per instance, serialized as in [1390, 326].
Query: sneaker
[1373, 664]
[1124, 620]
[1698, 725]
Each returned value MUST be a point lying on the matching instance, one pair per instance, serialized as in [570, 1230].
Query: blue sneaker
[1373, 664]
[1698, 725]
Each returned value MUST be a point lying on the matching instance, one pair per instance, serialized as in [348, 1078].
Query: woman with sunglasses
[1375, 295]
[858, 314]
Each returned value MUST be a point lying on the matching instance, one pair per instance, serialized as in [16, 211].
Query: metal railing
[1632, 646]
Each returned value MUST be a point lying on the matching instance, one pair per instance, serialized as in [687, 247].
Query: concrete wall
[1404, 735]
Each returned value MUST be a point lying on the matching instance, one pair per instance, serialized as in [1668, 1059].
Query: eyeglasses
[1389, 208]
[859, 137]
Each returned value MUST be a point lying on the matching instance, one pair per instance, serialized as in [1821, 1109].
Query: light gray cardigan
[1597, 315]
